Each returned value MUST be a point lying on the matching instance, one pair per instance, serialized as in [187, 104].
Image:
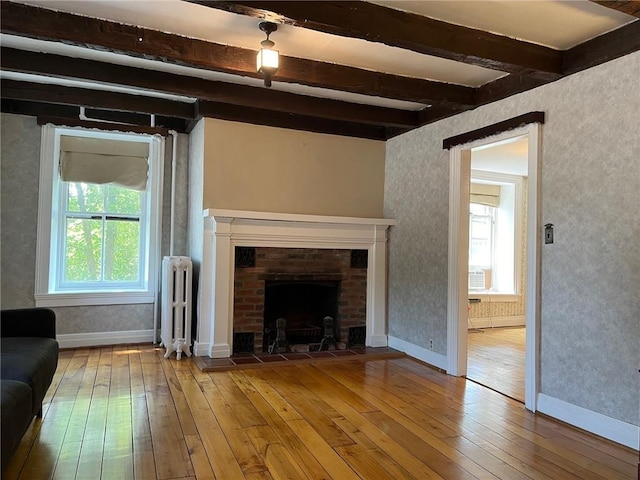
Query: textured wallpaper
[416, 195]
[20, 160]
[590, 182]
[19, 184]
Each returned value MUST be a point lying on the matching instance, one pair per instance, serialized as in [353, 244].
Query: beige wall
[258, 168]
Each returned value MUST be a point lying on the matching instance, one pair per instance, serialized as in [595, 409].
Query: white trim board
[488, 322]
[94, 339]
[610, 428]
[420, 353]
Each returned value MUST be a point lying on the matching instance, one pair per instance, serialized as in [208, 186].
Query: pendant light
[267, 59]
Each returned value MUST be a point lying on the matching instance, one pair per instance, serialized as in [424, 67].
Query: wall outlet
[431, 344]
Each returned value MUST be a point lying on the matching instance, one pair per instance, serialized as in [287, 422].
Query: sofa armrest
[28, 322]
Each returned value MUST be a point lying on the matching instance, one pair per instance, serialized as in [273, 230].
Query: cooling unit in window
[477, 280]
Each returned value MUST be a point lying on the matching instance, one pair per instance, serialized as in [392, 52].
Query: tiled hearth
[247, 360]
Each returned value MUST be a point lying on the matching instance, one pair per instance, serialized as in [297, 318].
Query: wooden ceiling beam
[70, 115]
[409, 31]
[628, 7]
[262, 98]
[59, 94]
[49, 25]
[257, 116]
[609, 46]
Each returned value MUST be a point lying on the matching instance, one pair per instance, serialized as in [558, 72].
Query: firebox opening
[303, 304]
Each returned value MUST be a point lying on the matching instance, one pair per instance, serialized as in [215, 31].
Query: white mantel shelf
[294, 217]
[226, 229]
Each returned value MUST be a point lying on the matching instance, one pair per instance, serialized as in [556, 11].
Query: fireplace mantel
[226, 229]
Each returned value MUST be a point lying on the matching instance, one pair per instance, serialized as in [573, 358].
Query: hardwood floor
[127, 413]
[496, 359]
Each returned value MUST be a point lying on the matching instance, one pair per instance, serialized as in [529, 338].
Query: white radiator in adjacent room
[175, 328]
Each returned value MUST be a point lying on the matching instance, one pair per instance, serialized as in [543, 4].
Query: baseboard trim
[428, 356]
[220, 350]
[95, 339]
[200, 349]
[594, 422]
[488, 322]
[377, 341]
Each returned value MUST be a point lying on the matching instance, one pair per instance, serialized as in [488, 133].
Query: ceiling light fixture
[267, 59]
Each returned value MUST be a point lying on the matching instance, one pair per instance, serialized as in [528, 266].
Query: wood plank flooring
[127, 413]
[496, 359]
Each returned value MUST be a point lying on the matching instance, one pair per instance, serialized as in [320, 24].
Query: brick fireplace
[306, 249]
[302, 285]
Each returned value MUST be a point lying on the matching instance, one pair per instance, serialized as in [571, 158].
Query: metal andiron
[280, 343]
[329, 333]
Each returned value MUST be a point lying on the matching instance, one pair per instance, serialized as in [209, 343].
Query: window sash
[62, 282]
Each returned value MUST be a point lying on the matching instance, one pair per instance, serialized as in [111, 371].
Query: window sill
[92, 298]
[490, 297]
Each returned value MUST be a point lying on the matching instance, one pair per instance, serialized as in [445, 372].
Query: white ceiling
[510, 157]
[556, 23]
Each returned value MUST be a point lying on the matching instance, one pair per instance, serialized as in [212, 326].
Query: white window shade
[102, 161]
[484, 194]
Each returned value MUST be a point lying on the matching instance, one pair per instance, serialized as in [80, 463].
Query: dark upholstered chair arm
[28, 322]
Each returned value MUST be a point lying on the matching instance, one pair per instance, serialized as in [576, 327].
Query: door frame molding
[457, 298]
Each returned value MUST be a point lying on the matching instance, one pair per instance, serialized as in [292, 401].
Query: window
[101, 237]
[98, 219]
[495, 234]
[481, 222]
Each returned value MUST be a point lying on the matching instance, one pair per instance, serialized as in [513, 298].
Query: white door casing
[457, 315]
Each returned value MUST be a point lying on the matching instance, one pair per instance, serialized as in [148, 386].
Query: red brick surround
[304, 264]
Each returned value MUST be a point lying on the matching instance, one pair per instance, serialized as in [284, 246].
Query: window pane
[122, 250]
[83, 250]
[480, 236]
[480, 253]
[123, 200]
[85, 198]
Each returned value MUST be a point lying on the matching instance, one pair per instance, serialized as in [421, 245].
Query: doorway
[459, 306]
[497, 266]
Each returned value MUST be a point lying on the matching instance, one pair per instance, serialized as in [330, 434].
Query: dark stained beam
[35, 109]
[44, 24]
[267, 99]
[69, 115]
[58, 94]
[489, 130]
[433, 114]
[628, 7]
[606, 47]
[116, 127]
[505, 87]
[406, 30]
[258, 116]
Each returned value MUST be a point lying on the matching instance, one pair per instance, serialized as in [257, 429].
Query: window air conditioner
[477, 280]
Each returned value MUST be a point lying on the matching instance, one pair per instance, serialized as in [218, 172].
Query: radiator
[175, 328]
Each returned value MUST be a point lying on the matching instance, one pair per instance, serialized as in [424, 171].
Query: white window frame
[517, 182]
[47, 292]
